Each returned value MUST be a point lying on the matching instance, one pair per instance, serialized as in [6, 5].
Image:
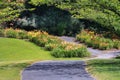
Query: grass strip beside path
[17, 54]
[104, 69]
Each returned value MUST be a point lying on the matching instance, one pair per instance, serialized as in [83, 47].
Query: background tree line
[62, 16]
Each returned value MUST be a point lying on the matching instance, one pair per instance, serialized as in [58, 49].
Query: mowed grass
[12, 70]
[15, 50]
[105, 69]
[17, 54]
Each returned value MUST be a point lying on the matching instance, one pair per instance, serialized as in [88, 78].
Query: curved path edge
[56, 70]
[65, 70]
[95, 53]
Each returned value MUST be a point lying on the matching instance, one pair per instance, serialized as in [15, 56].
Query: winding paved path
[95, 53]
[56, 70]
[64, 70]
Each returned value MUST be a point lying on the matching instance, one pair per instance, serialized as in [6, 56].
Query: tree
[10, 10]
[105, 12]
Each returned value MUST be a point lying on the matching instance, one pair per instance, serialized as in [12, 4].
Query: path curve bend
[56, 70]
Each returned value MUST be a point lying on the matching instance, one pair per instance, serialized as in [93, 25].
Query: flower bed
[57, 47]
[97, 41]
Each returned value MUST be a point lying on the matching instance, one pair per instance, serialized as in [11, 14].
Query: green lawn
[15, 50]
[17, 54]
[105, 69]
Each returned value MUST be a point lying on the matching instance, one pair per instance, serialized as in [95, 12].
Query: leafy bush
[11, 33]
[51, 46]
[38, 37]
[70, 50]
[116, 44]
[58, 52]
[58, 47]
[97, 41]
[80, 52]
[22, 34]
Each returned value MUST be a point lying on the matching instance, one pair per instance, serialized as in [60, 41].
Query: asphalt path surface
[56, 70]
[65, 70]
[95, 53]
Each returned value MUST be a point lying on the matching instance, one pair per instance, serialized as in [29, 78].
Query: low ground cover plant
[94, 40]
[58, 47]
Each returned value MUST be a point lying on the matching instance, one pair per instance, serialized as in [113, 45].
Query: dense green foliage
[50, 19]
[63, 16]
[105, 12]
[9, 11]
[104, 69]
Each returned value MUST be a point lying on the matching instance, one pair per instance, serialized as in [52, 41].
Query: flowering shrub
[79, 52]
[97, 41]
[58, 47]
[70, 50]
